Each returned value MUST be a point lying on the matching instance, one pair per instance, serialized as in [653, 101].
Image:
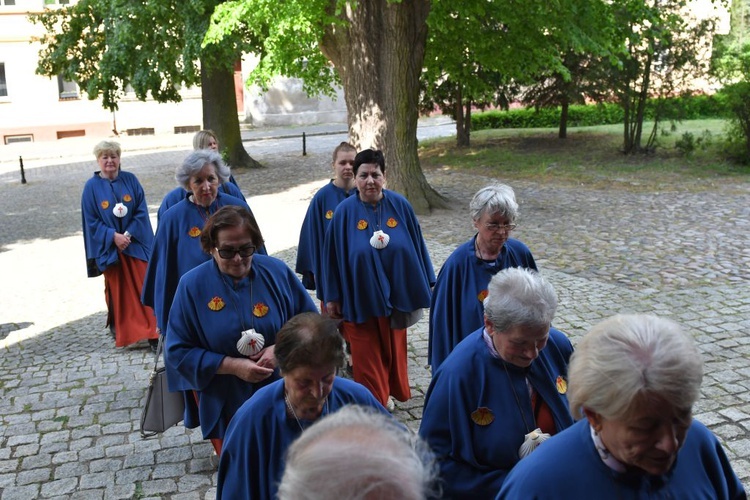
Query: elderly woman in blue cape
[118, 236]
[633, 382]
[221, 336]
[177, 247]
[203, 139]
[456, 308]
[309, 352]
[502, 390]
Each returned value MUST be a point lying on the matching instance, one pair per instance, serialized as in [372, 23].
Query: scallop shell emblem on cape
[482, 295]
[120, 210]
[105, 205]
[379, 240]
[250, 343]
[362, 225]
[329, 214]
[127, 197]
[561, 384]
[260, 310]
[482, 416]
[216, 304]
[531, 441]
[391, 222]
[194, 232]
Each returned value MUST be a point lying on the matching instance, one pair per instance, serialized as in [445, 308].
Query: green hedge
[678, 108]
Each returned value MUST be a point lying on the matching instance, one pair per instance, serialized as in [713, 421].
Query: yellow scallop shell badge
[561, 384]
[482, 295]
[105, 205]
[329, 214]
[260, 310]
[362, 225]
[482, 416]
[216, 304]
[194, 232]
[127, 197]
[391, 222]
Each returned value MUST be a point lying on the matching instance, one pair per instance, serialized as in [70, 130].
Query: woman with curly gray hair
[203, 140]
[180, 227]
[633, 381]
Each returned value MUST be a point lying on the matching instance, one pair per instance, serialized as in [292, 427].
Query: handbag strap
[159, 348]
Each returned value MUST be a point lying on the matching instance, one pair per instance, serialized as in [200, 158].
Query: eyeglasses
[500, 227]
[229, 253]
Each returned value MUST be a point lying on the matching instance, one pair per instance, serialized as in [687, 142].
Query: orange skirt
[379, 358]
[122, 290]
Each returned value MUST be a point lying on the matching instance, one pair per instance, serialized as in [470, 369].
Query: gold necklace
[294, 414]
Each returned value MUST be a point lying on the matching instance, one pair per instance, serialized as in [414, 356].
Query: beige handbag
[163, 409]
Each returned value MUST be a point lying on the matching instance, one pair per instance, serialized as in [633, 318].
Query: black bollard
[304, 144]
[23, 176]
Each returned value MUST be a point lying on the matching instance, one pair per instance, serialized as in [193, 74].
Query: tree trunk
[220, 114]
[378, 56]
[563, 132]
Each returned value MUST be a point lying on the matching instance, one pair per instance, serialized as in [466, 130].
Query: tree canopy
[155, 48]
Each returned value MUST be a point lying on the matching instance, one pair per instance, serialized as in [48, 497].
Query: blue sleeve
[98, 236]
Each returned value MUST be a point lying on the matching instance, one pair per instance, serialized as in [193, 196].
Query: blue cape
[472, 419]
[208, 314]
[252, 457]
[100, 224]
[369, 282]
[313, 232]
[568, 466]
[456, 309]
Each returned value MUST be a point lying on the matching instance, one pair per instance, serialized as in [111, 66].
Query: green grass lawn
[591, 156]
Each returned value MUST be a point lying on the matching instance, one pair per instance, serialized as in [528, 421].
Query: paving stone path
[70, 401]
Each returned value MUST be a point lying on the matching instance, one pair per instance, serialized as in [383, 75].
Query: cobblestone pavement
[70, 401]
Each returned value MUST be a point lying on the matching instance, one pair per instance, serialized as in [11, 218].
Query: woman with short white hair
[357, 454]
[502, 390]
[633, 382]
[456, 307]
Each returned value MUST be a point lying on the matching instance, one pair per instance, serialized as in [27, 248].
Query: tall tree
[585, 40]
[376, 48]
[153, 47]
[480, 53]
[665, 49]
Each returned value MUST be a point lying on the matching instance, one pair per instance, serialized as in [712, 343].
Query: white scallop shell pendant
[379, 240]
[250, 343]
[120, 210]
[531, 441]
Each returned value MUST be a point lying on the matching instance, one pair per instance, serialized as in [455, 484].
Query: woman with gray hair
[635, 379]
[358, 454]
[502, 390]
[203, 139]
[180, 228]
[461, 286]
[309, 351]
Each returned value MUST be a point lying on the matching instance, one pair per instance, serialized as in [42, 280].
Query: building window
[56, 2]
[7, 2]
[68, 89]
[12, 139]
[3, 82]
